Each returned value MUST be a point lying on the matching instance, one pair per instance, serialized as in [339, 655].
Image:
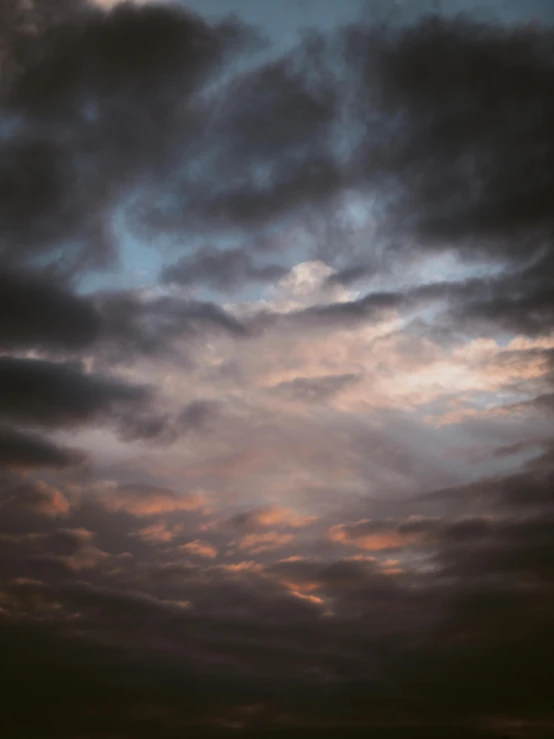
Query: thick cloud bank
[276, 373]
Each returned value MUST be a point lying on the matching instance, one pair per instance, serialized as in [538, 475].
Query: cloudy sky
[277, 368]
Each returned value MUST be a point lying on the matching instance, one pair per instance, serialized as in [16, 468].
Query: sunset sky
[277, 368]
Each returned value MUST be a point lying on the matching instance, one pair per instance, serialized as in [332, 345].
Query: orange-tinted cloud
[278, 516]
[146, 500]
[255, 543]
[376, 536]
[238, 567]
[158, 532]
[200, 548]
[42, 498]
[84, 556]
[261, 518]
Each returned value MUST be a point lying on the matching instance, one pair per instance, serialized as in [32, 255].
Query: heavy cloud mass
[276, 369]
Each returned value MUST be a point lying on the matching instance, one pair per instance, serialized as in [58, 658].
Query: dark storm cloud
[37, 312]
[331, 577]
[268, 144]
[93, 102]
[473, 95]
[223, 270]
[19, 449]
[415, 643]
[61, 395]
[520, 549]
[165, 696]
[268, 149]
[457, 91]
[58, 394]
[134, 325]
[454, 123]
[128, 635]
[477, 97]
[527, 492]
[459, 141]
[277, 126]
[420, 642]
[518, 300]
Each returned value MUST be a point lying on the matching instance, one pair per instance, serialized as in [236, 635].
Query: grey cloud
[28, 499]
[314, 389]
[24, 450]
[456, 138]
[179, 617]
[99, 99]
[271, 132]
[56, 394]
[224, 270]
[134, 325]
[36, 311]
[166, 428]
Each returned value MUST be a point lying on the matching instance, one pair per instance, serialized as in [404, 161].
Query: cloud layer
[300, 477]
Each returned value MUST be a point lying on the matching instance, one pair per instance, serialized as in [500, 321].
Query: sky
[277, 369]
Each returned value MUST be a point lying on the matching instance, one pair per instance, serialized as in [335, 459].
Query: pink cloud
[261, 518]
[376, 536]
[278, 516]
[255, 543]
[158, 532]
[200, 548]
[144, 500]
[43, 498]
[245, 566]
[86, 556]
